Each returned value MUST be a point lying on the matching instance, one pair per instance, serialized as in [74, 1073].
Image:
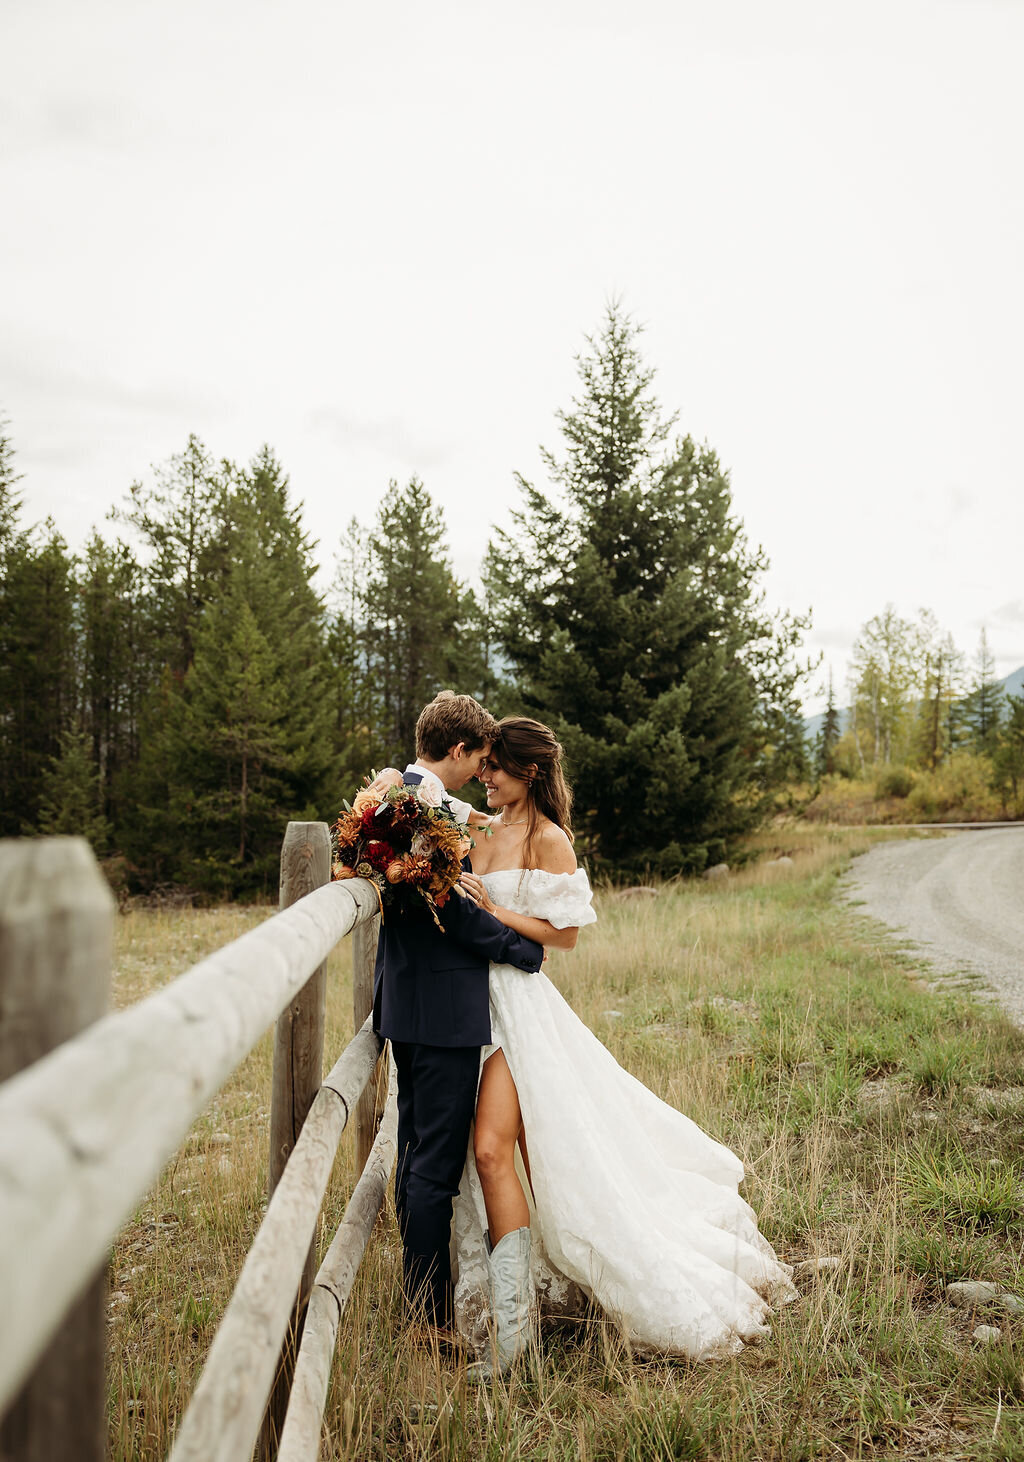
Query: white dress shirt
[438, 793]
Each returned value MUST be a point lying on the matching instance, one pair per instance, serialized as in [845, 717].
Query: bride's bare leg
[499, 1122]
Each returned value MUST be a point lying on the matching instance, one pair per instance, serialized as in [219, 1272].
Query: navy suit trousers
[436, 1100]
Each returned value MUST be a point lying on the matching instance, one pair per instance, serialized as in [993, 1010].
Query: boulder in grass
[719, 870]
[637, 891]
[969, 1293]
[987, 1334]
[814, 1268]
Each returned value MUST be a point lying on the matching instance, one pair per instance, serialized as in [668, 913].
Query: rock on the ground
[826, 1264]
[783, 862]
[722, 1002]
[612, 1014]
[637, 891]
[987, 1334]
[1011, 1303]
[718, 870]
[970, 1292]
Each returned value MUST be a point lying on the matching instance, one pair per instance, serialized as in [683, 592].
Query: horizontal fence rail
[300, 1441]
[85, 1131]
[223, 1420]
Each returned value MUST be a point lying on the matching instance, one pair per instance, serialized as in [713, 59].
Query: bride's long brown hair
[522, 744]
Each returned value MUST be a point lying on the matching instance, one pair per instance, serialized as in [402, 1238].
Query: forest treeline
[928, 732]
[179, 689]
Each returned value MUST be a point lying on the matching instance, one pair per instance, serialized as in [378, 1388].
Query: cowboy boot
[509, 1266]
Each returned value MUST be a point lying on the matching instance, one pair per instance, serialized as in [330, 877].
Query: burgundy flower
[379, 855]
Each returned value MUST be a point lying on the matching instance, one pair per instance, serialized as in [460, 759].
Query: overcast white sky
[374, 237]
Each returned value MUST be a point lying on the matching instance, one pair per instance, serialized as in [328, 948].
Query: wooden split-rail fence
[93, 1105]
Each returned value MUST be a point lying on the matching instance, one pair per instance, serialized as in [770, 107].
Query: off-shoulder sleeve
[564, 899]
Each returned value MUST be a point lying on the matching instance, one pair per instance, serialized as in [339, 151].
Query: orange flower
[418, 868]
[346, 832]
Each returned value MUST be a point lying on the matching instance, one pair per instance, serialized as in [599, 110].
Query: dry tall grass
[880, 1121]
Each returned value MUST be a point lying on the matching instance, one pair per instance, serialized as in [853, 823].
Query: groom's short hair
[449, 719]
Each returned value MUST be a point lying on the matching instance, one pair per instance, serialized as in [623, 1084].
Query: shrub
[960, 785]
[894, 781]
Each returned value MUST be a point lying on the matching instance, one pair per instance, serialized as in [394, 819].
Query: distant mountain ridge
[1012, 684]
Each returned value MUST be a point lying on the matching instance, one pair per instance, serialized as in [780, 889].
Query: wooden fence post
[371, 1103]
[298, 1072]
[56, 939]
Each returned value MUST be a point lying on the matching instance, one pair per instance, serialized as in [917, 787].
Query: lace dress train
[633, 1205]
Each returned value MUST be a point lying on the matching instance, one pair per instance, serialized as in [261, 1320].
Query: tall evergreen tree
[354, 693]
[10, 498]
[244, 742]
[828, 736]
[39, 681]
[978, 715]
[1008, 758]
[11, 536]
[117, 661]
[70, 797]
[291, 615]
[229, 794]
[627, 603]
[413, 610]
[182, 520]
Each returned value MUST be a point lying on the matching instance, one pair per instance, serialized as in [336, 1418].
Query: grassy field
[880, 1120]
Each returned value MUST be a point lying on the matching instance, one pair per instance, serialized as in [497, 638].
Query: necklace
[518, 822]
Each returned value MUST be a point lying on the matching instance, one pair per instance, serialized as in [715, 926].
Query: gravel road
[959, 899]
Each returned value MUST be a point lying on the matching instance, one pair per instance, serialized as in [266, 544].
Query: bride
[632, 1203]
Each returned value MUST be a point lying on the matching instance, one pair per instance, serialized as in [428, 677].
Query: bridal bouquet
[408, 848]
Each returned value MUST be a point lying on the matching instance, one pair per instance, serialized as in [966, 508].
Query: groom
[430, 1000]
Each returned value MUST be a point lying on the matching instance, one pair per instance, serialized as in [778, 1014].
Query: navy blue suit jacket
[432, 987]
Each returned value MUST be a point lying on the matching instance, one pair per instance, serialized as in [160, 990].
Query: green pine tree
[413, 609]
[828, 736]
[38, 680]
[10, 498]
[269, 543]
[230, 795]
[117, 662]
[244, 742]
[978, 715]
[11, 549]
[627, 604]
[182, 520]
[1008, 757]
[70, 795]
[355, 701]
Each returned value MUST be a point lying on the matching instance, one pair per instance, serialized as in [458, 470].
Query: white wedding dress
[634, 1206]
